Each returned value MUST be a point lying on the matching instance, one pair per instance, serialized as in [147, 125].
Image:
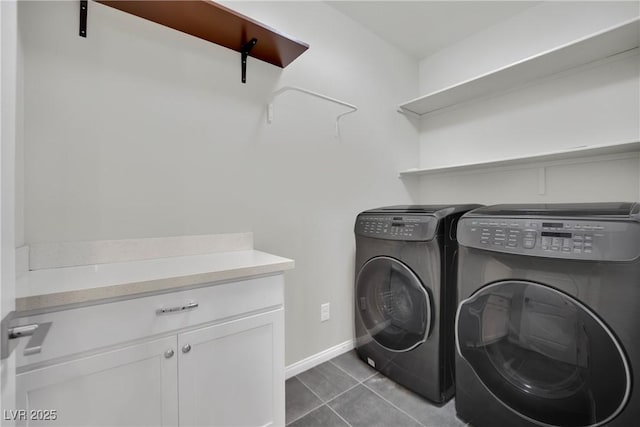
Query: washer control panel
[396, 227]
[556, 238]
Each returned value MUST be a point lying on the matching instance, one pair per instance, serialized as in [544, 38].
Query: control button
[484, 242]
[528, 243]
[598, 227]
[577, 244]
[567, 226]
[493, 224]
[486, 230]
[578, 237]
[577, 250]
[474, 222]
[588, 238]
[498, 243]
[565, 249]
[530, 234]
[484, 223]
[512, 244]
[557, 241]
[503, 224]
[588, 245]
[514, 225]
[555, 248]
[577, 227]
[587, 250]
[546, 241]
[567, 242]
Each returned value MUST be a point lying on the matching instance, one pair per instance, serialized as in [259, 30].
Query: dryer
[547, 327]
[405, 294]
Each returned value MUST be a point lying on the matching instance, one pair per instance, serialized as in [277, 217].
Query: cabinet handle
[168, 354]
[177, 309]
[186, 348]
[37, 332]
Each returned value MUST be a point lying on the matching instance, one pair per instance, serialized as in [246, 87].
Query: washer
[548, 321]
[405, 294]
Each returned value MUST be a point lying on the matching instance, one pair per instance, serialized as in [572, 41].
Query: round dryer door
[543, 354]
[393, 304]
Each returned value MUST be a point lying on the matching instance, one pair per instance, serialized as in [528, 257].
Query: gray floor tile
[327, 381]
[351, 363]
[427, 413]
[361, 407]
[299, 399]
[321, 417]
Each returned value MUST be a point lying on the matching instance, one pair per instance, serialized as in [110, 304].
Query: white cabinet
[134, 385]
[214, 365]
[230, 374]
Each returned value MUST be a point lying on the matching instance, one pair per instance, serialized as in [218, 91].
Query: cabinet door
[132, 386]
[232, 374]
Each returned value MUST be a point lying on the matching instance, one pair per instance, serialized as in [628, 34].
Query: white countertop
[46, 288]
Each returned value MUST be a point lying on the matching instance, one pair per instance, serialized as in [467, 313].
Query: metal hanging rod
[315, 94]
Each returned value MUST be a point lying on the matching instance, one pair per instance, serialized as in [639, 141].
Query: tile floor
[347, 392]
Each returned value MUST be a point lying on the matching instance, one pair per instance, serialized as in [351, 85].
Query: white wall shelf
[612, 41]
[578, 154]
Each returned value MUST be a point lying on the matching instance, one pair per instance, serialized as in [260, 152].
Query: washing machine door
[393, 304]
[543, 354]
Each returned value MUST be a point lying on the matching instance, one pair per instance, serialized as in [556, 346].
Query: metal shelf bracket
[9, 331]
[84, 5]
[246, 49]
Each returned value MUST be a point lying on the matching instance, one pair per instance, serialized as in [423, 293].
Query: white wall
[535, 30]
[8, 117]
[8, 95]
[141, 131]
[595, 104]
[611, 180]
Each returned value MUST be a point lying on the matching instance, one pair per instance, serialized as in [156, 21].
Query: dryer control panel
[555, 238]
[397, 227]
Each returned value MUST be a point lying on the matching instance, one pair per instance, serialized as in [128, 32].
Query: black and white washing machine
[405, 294]
[548, 322]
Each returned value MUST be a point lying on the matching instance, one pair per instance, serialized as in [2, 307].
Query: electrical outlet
[325, 312]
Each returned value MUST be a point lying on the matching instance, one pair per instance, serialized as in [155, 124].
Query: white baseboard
[318, 358]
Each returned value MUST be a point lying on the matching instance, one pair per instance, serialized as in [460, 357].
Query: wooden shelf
[217, 24]
[601, 45]
[580, 155]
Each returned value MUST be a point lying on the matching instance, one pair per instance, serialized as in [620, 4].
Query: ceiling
[421, 28]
